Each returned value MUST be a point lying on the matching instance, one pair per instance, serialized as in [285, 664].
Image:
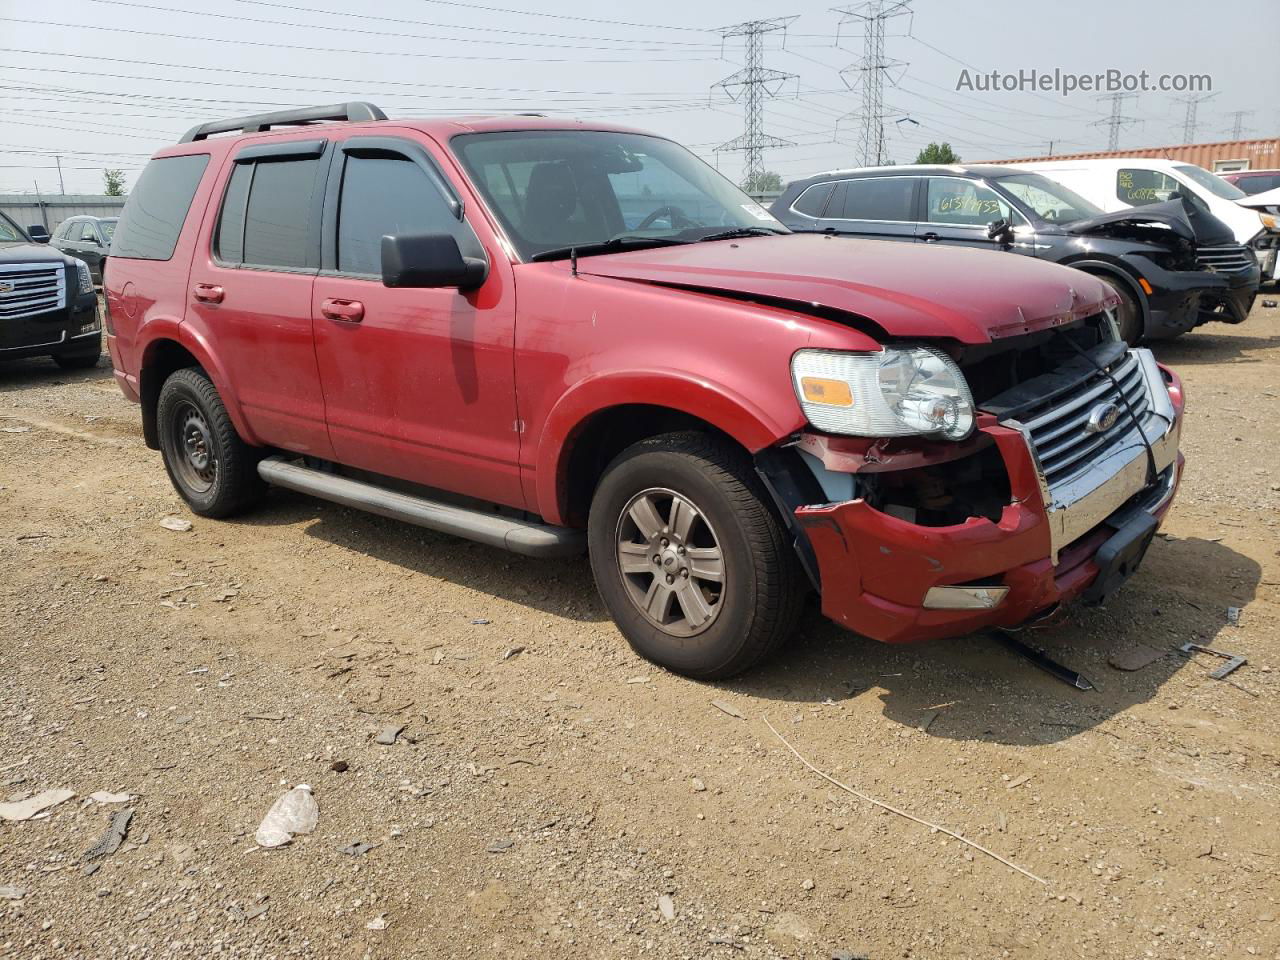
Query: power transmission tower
[1192, 100]
[752, 84]
[1117, 119]
[1237, 122]
[871, 71]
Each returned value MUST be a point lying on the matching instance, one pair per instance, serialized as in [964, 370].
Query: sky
[105, 83]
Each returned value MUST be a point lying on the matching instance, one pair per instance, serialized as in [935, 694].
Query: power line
[872, 69]
[700, 47]
[753, 83]
[1116, 119]
[338, 50]
[417, 23]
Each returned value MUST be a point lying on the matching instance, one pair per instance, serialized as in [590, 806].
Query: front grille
[1058, 431]
[30, 288]
[1227, 258]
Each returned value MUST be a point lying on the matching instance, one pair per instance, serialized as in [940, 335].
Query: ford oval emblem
[1102, 418]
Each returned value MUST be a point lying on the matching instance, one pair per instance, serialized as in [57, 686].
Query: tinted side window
[1252, 185]
[229, 243]
[813, 201]
[1140, 187]
[157, 207]
[388, 195]
[281, 227]
[876, 198]
[87, 233]
[962, 202]
[61, 231]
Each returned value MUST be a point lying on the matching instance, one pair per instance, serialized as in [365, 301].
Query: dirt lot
[540, 804]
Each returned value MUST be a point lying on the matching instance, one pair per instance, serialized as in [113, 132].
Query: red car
[550, 337]
[1253, 181]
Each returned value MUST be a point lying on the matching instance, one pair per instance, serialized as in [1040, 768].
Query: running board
[519, 536]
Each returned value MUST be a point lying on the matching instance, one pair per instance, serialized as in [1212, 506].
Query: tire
[213, 470]
[1128, 315]
[77, 361]
[703, 500]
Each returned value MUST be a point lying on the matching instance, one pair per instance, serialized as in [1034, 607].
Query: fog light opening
[964, 598]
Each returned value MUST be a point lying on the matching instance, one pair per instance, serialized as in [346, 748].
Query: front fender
[748, 422]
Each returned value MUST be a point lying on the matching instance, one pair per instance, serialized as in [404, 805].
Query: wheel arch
[164, 355]
[593, 424]
[1114, 272]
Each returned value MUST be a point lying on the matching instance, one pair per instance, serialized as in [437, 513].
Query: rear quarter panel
[148, 298]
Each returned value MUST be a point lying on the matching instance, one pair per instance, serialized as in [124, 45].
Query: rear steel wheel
[197, 462]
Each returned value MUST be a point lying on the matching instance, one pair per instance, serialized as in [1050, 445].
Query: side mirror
[38, 233]
[429, 260]
[1000, 231]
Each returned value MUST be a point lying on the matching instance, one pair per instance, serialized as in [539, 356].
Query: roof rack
[355, 111]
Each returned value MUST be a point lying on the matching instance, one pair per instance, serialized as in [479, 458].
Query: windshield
[9, 232]
[557, 189]
[1210, 181]
[1050, 200]
[108, 228]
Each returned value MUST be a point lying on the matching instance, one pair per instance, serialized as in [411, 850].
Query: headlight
[86, 281]
[897, 392]
[1268, 221]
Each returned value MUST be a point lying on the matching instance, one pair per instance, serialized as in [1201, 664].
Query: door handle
[208, 293]
[347, 311]
[929, 237]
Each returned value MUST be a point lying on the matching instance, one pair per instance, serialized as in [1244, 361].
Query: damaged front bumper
[1181, 300]
[1063, 531]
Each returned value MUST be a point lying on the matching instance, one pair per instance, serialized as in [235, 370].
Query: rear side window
[271, 215]
[813, 201]
[387, 195]
[152, 219]
[876, 198]
[1252, 185]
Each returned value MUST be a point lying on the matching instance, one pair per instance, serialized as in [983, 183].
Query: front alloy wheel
[690, 557]
[671, 562]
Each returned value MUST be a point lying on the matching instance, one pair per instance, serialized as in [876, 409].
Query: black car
[1148, 254]
[87, 239]
[47, 304]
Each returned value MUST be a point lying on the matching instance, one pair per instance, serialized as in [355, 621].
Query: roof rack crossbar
[355, 111]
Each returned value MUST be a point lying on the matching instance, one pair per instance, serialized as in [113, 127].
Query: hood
[1154, 223]
[31, 253]
[901, 289]
[1265, 199]
[1167, 222]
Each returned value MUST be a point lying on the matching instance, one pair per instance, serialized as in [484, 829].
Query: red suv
[550, 337]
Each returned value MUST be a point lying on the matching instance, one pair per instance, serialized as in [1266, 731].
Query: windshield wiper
[604, 246]
[739, 232]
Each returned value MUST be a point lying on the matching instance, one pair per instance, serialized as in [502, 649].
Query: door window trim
[269, 153]
[403, 147]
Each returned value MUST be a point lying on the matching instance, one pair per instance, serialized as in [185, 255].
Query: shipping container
[1217, 157]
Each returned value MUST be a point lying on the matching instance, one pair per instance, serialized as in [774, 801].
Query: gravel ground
[550, 794]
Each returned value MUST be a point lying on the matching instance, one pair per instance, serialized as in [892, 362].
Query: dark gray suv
[87, 239]
[1150, 254]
